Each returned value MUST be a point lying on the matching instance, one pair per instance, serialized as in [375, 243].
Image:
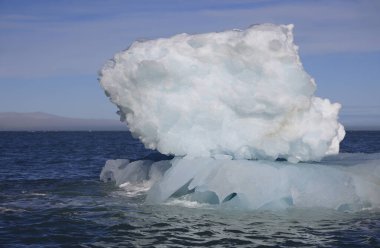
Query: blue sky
[50, 51]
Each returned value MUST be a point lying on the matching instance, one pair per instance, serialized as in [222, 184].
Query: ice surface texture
[242, 93]
[121, 171]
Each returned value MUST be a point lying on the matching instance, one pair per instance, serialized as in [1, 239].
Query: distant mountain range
[38, 121]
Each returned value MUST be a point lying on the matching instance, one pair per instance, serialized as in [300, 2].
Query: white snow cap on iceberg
[242, 93]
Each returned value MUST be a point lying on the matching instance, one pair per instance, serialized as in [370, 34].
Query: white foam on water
[135, 189]
[182, 202]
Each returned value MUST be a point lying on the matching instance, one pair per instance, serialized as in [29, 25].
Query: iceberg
[237, 111]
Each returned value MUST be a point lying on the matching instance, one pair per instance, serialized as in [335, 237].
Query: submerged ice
[241, 93]
[346, 182]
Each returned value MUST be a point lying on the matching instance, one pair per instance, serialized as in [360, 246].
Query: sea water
[51, 195]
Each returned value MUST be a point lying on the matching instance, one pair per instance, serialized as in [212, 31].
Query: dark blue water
[50, 195]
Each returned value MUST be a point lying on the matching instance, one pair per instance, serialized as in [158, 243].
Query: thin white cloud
[36, 46]
[321, 27]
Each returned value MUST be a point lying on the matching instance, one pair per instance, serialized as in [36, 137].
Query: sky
[51, 51]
